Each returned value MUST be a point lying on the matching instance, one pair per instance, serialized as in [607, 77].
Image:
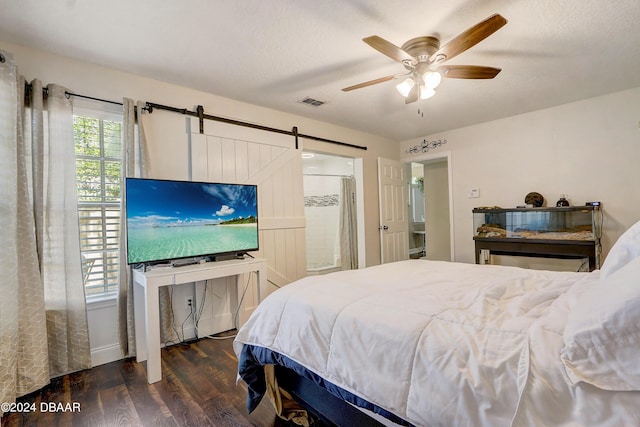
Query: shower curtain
[347, 225]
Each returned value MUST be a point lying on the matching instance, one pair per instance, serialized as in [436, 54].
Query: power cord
[190, 315]
[173, 322]
[198, 315]
[583, 265]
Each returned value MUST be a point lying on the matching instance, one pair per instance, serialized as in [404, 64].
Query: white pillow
[626, 248]
[602, 335]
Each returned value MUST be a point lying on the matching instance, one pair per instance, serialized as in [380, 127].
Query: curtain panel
[23, 345]
[135, 163]
[43, 320]
[61, 267]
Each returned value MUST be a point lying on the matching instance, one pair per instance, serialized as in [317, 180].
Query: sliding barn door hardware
[201, 115]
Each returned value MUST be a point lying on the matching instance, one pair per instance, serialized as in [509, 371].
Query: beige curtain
[135, 161]
[64, 298]
[43, 320]
[347, 224]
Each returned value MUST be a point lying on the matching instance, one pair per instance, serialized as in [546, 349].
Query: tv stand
[146, 285]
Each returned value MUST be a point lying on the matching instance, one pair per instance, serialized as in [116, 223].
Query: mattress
[439, 343]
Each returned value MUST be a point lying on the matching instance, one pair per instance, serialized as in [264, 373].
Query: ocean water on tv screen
[164, 243]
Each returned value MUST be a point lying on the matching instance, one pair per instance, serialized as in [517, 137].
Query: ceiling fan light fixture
[426, 92]
[423, 57]
[432, 79]
[405, 87]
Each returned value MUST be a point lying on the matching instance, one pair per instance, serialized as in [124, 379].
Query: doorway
[430, 208]
[417, 235]
[330, 211]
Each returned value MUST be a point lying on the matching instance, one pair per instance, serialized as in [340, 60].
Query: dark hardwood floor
[198, 388]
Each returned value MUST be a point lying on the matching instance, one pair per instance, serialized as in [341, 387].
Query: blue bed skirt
[250, 369]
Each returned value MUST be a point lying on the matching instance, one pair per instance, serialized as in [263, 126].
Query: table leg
[139, 299]
[152, 311]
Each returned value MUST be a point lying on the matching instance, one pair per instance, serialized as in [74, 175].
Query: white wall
[589, 150]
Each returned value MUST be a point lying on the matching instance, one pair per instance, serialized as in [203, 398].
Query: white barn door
[233, 154]
[394, 228]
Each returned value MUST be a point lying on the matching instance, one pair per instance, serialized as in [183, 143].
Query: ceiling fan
[423, 58]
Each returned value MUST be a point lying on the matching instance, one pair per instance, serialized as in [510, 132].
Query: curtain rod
[202, 116]
[28, 88]
[92, 98]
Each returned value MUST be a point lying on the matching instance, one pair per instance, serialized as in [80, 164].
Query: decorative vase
[562, 202]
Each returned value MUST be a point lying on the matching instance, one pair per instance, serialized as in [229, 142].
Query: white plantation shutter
[99, 242]
[98, 143]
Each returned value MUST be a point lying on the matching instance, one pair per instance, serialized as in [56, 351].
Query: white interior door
[394, 228]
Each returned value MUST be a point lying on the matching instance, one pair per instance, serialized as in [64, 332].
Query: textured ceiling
[274, 53]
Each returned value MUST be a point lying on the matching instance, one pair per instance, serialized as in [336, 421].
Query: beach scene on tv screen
[170, 219]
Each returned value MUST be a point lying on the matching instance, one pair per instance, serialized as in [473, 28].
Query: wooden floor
[198, 388]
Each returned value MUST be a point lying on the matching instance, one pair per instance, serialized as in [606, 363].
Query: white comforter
[441, 344]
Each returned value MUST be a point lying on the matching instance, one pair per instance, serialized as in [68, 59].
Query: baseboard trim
[105, 354]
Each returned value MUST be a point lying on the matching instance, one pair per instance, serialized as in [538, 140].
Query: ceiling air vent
[312, 102]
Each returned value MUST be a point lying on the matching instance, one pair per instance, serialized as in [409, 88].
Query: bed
[431, 343]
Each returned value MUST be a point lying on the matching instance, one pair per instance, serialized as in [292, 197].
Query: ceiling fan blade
[388, 49]
[468, 71]
[413, 95]
[369, 83]
[471, 37]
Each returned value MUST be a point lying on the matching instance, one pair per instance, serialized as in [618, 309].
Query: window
[98, 142]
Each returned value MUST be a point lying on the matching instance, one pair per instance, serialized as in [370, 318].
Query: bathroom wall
[322, 209]
[322, 176]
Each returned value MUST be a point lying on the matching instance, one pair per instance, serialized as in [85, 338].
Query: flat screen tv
[171, 220]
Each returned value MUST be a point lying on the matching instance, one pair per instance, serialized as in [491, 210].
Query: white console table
[146, 300]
